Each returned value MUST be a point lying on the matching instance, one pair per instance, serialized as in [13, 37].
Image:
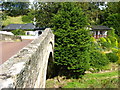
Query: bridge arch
[28, 68]
[50, 66]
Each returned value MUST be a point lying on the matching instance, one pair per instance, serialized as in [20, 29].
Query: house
[99, 31]
[29, 29]
[11, 27]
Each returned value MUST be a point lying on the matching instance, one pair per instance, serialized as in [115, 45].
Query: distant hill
[12, 20]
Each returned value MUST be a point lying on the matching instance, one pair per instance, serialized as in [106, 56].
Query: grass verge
[96, 80]
[89, 80]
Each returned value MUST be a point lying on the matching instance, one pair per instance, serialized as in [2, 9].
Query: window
[28, 33]
[101, 32]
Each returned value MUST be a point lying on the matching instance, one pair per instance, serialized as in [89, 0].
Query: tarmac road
[8, 49]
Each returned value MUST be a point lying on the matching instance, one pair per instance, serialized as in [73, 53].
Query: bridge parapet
[28, 68]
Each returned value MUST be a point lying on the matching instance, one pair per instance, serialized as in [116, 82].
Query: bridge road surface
[8, 49]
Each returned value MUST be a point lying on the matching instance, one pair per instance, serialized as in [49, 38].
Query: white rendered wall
[29, 37]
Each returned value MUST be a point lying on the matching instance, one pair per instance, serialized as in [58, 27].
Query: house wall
[98, 34]
[30, 33]
[33, 33]
[29, 37]
[105, 32]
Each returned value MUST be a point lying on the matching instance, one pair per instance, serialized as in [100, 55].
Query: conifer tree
[71, 40]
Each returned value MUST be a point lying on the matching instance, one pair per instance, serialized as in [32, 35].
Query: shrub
[4, 16]
[97, 59]
[108, 40]
[104, 43]
[114, 41]
[115, 50]
[113, 38]
[102, 39]
[113, 20]
[93, 39]
[28, 18]
[118, 54]
[18, 32]
[111, 32]
[112, 57]
[95, 45]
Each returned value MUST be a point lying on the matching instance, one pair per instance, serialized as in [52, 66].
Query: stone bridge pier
[28, 68]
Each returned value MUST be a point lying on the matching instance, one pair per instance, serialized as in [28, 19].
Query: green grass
[13, 20]
[105, 83]
[99, 75]
[90, 80]
[95, 80]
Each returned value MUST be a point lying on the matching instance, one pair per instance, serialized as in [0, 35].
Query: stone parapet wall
[5, 37]
[28, 68]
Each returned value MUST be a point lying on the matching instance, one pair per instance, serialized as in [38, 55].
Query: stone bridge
[28, 68]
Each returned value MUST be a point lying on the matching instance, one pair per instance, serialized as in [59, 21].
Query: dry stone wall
[5, 37]
[28, 68]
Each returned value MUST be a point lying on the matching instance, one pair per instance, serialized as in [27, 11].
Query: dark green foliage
[18, 32]
[112, 17]
[70, 17]
[110, 41]
[45, 13]
[71, 42]
[71, 51]
[91, 10]
[113, 20]
[104, 43]
[47, 10]
[114, 41]
[112, 57]
[98, 59]
[95, 45]
[111, 32]
[113, 7]
[4, 16]
[15, 8]
[113, 38]
[28, 18]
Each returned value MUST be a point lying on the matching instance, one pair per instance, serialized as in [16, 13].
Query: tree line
[43, 12]
[75, 49]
